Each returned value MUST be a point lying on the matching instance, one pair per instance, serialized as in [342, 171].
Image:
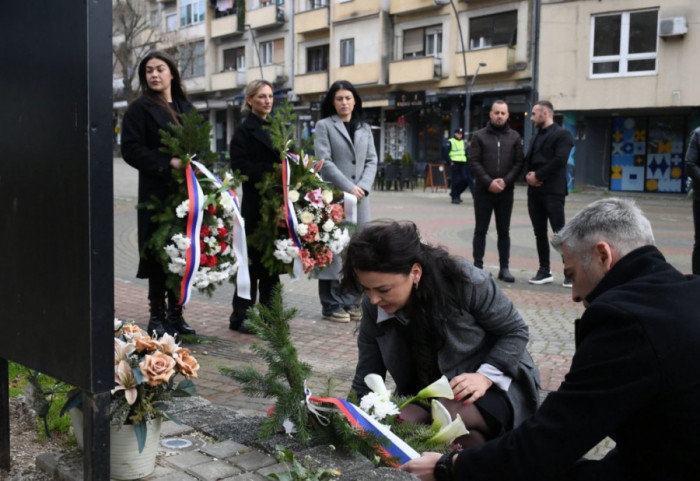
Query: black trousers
[696, 246]
[261, 282]
[501, 205]
[543, 208]
[460, 179]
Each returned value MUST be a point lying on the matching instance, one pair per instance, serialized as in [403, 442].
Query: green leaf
[140, 429]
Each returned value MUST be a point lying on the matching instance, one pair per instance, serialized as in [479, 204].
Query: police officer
[456, 154]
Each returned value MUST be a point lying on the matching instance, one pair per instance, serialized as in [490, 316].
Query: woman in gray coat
[428, 314]
[345, 143]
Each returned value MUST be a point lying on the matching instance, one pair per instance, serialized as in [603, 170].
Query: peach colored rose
[157, 368]
[307, 262]
[187, 364]
[337, 213]
[144, 343]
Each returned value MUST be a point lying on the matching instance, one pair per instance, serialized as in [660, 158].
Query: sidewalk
[330, 348]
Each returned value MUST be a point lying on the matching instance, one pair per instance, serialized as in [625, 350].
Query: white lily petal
[450, 432]
[441, 416]
[376, 384]
[440, 388]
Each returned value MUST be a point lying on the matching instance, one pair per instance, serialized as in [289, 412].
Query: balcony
[356, 8]
[409, 6]
[497, 60]
[421, 69]
[272, 73]
[230, 79]
[220, 27]
[362, 74]
[311, 83]
[312, 20]
[264, 17]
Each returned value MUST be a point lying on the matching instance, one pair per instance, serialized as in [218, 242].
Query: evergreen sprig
[285, 376]
[191, 137]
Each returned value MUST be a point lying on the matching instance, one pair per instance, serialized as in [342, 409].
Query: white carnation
[328, 225]
[302, 229]
[293, 195]
[183, 209]
[306, 217]
[172, 251]
[182, 242]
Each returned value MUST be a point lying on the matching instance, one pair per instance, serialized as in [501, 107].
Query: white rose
[306, 217]
[328, 225]
[302, 229]
[293, 195]
[327, 196]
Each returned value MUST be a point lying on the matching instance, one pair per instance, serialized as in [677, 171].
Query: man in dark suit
[635, 376]
[545, 165]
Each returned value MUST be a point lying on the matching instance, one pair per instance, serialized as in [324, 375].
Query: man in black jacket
[635, 376]
[692, 168]
[496, 158]
[545, 165]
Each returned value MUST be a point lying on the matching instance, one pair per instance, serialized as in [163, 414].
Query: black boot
[157, 320]
[175, 322]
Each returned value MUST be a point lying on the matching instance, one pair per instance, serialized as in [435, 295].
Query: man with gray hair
[635, 376]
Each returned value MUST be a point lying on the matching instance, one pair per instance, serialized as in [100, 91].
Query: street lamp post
[257, 51]
[468, 100]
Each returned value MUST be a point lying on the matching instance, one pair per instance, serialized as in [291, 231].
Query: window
[314, 4]
[624, 43]
[317, 59]
[493, 30]
[422, 42]
[191, 12]
[234, 58]
[347, 52]
[266, 49]
[192, 59]
[171, 22]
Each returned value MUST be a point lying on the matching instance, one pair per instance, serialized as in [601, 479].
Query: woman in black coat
[161, 101]
[253, 155]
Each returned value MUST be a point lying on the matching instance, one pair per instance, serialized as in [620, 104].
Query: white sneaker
[338, 316]
[542, 277]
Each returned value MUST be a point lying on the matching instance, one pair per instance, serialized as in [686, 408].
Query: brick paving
[330, 347]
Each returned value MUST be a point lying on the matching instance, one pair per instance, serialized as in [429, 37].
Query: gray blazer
[489, 331]
[345, 165]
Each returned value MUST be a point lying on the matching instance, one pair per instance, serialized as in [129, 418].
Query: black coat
[635, 377]
[495, 154]
[692, 162]
[140, 149]
[253, 155]
[547, 157]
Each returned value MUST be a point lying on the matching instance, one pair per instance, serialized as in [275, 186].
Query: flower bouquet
[302, 217]
[199, 239]
[145, 369]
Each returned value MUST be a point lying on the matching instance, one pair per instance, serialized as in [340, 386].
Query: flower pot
[125, 460]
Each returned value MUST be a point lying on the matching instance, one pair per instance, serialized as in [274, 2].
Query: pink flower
[314, 197]
[337, 213]
[323, 257]
[307, 263]
[311, 233]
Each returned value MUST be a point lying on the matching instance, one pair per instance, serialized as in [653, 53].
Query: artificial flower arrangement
[145, 369]
[199, 239]
[302, 224]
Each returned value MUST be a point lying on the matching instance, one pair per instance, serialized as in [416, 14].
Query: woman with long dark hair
[253, 155]
[428, 314]
[345, 142]
[160, 103]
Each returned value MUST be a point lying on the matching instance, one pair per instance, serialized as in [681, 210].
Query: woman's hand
[468, 387]
[176, 163]
[358, 192]
[423, 467]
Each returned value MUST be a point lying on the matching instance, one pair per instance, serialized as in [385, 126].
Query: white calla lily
[376, 384]
[449, 433]
[440, 414]
[440, 388]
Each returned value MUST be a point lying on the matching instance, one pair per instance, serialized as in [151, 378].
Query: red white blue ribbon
[240, 245]
[194, 225]
[393, 450]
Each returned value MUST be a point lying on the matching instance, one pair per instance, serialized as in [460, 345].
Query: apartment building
[623, 75]
[411, 60]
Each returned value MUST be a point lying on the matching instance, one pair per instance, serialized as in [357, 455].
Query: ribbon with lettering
[240, 246]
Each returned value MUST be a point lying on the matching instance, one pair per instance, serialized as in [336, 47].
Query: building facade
[622, 75]
[406, 58]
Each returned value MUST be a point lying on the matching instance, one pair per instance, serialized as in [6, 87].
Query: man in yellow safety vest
[456, 153]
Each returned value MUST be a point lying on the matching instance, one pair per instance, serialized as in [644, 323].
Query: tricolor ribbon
[393, 449]
[240, 246]
[194, 225]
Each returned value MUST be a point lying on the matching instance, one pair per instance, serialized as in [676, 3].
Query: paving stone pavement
[330, 348]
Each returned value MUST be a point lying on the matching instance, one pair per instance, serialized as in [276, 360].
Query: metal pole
[257, 51]
[466, 79]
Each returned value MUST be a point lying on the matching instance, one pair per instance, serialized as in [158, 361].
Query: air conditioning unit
[672, 27]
